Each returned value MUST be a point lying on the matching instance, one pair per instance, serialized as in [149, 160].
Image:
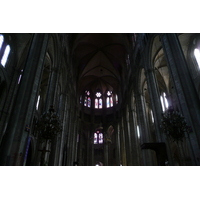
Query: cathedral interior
[100, 99]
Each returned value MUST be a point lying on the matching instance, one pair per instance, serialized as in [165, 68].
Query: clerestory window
[164, 102]
[87, 99]
[197, 56]
[4, 51]
[98, 103]
[109, 99]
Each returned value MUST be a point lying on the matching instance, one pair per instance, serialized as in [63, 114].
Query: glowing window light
[5, 55]
[85, 101]
[95, 138]
[80, 99]
[100, 138]
[20, 76]
[152, 118]
[1, 41]
[109, 93]
[100, 103]
[98, 94]
[89, 102]
[197, 56]
[162, 103]
[96, 103]
[165, 100]
[116, 99]
[108, 102]
[38, 101]
[138, 131]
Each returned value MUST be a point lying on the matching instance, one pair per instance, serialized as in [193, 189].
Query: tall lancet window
[5, 52]
[87, 99]
[98, 137]
[98, 103]
[109, 99]
[164, 102]
[1, 41]
[197, 56]
[116, 97]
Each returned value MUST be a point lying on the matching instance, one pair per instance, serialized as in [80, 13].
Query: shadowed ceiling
[100, 59]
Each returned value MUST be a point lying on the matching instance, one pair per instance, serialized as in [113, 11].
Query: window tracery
[98, 101]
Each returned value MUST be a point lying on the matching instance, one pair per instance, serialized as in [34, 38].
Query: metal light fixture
[49, 125]
[174, 125]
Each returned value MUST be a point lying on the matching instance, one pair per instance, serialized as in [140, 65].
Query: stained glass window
[100, 103]
[87, 99]
[96, 103]
[98, 94]
[98, 138]
[108, 102]
[95, 138]
[108, 93]
[89, 102]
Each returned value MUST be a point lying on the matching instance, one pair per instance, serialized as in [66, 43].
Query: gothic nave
[99, 99]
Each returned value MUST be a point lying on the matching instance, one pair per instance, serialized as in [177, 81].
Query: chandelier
[49, 125]
[174, 125]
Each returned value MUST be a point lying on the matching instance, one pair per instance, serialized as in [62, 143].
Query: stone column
[117, 145]
[127, 140]
[70, 140]
[155, 101]
[15, 136]
[50, 100]
[51, 89]
[185, 89]
[122, 144]
[144, 131]
[88, 148]
[75, 134]
[62, 113]
[156, 107]
[65, 131]
[106, 154]
[134, 139]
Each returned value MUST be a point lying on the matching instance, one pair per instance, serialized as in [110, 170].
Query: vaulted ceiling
[101, 60]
